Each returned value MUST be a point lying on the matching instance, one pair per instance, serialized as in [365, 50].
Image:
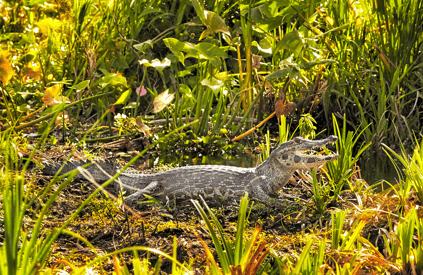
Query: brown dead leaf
[52, 96]
[142, 126]
[256, 61]
[112, 109]
[282, 95]
[162, 100]
[284, 109]
[6, 70]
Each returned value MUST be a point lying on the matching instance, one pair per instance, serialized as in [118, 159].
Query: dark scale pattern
[214, 181]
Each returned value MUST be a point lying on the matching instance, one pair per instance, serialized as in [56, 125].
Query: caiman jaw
[292, 156]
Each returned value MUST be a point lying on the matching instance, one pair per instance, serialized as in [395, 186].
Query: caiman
[213, 182]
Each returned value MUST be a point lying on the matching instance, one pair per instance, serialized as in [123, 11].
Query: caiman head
[292, 154]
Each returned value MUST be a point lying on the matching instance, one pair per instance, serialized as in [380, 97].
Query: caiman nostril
[311, 160]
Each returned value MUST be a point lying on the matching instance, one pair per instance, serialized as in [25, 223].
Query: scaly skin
[214, 182]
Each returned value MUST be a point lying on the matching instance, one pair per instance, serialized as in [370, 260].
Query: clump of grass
[236, 256]
[341, 170]
[413, 170]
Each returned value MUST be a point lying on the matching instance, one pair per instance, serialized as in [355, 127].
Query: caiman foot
[139, 195]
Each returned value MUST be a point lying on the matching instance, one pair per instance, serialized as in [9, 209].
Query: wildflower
[141, 91]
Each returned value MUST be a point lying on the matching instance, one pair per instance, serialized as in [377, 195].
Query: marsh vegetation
[141, 80]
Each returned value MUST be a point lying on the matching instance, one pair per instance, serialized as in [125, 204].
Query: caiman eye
[297, 139]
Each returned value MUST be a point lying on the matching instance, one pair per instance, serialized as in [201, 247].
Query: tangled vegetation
[100, 77]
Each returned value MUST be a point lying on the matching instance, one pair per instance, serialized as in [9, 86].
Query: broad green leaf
[124, 97]
[32, 3]
[289, 11]
[288, 68]
[265, 45]
[28, 57]
[277, 74]
[29, 38]
[223, 76]
[121, 63]
[264, 22]
[214, 24]
[142, 47]
[183, 73]
[210, 52]
[111, 79]
[213, 84]
[292, 41]
[23, 108]
[272, 14]
[81, 86]
[177, 47]
[203, 50]
[309, 65]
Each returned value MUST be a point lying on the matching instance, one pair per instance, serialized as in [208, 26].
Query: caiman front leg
[139, 195]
